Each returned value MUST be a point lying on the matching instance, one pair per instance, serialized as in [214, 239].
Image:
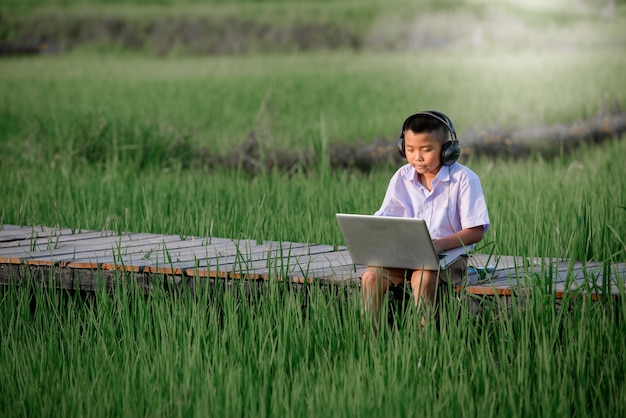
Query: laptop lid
[392, 242]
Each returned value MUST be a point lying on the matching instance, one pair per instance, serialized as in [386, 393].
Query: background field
[101, 134]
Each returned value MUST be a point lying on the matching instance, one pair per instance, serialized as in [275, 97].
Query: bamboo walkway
[77, 259]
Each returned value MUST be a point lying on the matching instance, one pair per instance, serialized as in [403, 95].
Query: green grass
[299, 355]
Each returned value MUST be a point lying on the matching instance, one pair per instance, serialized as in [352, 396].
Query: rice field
[303, 354]
[113, 141]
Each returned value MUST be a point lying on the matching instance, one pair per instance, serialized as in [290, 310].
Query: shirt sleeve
[472, 204]
[392, 205]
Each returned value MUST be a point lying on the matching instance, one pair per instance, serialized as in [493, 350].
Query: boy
[434, 187]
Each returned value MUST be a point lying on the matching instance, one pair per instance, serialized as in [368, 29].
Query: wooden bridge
[78, 259]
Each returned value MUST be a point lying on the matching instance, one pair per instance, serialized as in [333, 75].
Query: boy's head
[439, 127]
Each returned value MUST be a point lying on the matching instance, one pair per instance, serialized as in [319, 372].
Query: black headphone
[450, 150]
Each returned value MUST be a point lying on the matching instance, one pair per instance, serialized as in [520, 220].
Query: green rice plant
[266, 350]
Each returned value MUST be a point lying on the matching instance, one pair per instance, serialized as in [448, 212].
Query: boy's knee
[423, 279]
[424, 285]
[368, 279]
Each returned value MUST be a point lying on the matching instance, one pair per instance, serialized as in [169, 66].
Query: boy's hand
[465, 236]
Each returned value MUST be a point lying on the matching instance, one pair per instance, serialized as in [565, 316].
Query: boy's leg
[375, 281]
[424, 285]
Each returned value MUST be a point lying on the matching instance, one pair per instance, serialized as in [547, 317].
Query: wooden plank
[321, 266]
[520, 275]
[15, 230]
[562, 275]
[17, 238]
[576, 289]
[299, 261]
[331, 274]
[126, 262]
[508, 266]
[488, 290]
[594, 283]
[85, 265]
[90, 255]
[495, 260]
[8, 227]
[53, 242]
[34, 231]
[69, 247]
[226, 262]
[241, 250]
[560, 272]
[256, 268]
[138, 245]
[10, 260]
[506, 273]
[7, 236]
[68, 253]
[345, 275]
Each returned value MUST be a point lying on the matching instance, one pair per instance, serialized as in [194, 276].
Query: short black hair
[424, 123]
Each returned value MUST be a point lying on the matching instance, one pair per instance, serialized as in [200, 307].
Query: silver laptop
[393, 242]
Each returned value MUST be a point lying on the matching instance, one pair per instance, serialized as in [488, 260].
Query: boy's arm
[467, 236]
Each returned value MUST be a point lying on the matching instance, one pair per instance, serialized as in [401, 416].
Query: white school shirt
[456, 201]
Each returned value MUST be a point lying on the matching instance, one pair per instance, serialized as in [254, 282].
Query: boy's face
[423, 152]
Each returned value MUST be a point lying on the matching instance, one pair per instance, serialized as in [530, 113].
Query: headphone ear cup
[401, 147]
[450, 152]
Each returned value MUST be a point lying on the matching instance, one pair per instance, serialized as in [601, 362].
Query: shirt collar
[442, 176]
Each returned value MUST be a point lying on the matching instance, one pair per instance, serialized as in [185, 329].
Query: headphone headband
[436, 115]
